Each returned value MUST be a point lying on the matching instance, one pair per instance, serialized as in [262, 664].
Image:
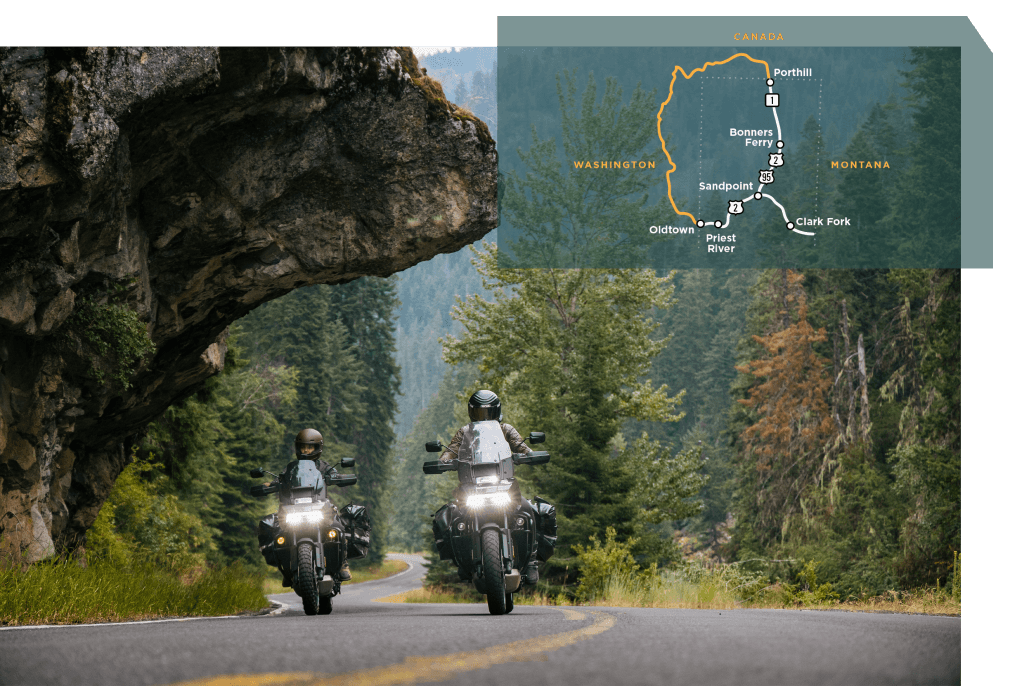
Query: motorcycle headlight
[482, 500]
[311, 517]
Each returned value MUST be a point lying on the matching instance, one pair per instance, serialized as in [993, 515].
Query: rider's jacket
[511, 435]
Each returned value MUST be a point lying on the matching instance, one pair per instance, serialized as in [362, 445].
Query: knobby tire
[494, 571]
[305, 580]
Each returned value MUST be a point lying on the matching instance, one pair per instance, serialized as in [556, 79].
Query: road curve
[368, 642]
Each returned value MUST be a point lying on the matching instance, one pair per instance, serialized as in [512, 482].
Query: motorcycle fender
[506, 543]
[478, 537]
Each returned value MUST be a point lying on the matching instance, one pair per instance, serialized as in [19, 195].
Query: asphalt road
[367, 642]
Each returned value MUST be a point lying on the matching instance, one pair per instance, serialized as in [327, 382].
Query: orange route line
[680, 70]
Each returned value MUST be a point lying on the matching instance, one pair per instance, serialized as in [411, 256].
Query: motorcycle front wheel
[305, 580]
[494, 572]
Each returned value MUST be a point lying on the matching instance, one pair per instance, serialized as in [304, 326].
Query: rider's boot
[343, 573]
[532, 571]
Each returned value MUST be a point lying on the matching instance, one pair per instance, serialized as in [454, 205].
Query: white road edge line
[143, 621]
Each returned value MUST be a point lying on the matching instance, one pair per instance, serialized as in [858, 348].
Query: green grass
[723, 587]
[718, 587]
[63, 592]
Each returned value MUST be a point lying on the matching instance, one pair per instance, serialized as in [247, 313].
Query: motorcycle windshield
[484, 443]
[302, 479]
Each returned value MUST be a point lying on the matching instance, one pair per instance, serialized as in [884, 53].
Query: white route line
[775, 111]
[728, 216]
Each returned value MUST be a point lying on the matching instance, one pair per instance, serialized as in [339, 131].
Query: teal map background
[852, 90]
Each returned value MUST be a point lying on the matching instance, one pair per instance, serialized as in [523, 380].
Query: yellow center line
[680, 70]
[418, 669]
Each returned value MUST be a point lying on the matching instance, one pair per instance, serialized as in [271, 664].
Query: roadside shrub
[611, 563]
[809, 591]
[139, 522]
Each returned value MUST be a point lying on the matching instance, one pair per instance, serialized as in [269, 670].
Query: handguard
[261, 490]
[439, 467]
[533, 457]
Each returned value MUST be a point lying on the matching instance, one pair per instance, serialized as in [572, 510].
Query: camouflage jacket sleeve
[326, 469]
[452, 451]
[514, 439]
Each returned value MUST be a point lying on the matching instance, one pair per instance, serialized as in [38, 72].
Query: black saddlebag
[442, 531]
[267, 531]
[357, 530]
[547, 529]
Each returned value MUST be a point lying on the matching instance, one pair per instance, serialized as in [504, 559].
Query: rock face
[189, 186]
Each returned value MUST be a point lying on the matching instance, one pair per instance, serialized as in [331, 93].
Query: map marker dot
[757, 196]
[770, 82]
[779, 144]
[700, 223]
[790, 226]
[718, 224]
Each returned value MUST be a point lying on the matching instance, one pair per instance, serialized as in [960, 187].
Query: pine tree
[567, 351]
[300, 331]
[923, 352]
[246, 399]
[861, 198]
[413, 492]
[461, 95]
[366, 309]
[926, 210]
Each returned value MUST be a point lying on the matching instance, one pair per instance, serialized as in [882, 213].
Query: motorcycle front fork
[292, 543]
[508, 552]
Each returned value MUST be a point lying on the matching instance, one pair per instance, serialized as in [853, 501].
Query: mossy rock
[439, 104]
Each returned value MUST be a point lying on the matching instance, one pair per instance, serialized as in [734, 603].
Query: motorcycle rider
[309, 445]
[485, 405]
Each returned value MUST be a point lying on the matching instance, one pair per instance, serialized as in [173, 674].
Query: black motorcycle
[488, 532]
[309, 539]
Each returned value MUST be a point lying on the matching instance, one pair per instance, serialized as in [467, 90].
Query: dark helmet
[309, 444]
[484, 405]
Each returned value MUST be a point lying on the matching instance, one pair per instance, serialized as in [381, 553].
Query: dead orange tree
[787, 443]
